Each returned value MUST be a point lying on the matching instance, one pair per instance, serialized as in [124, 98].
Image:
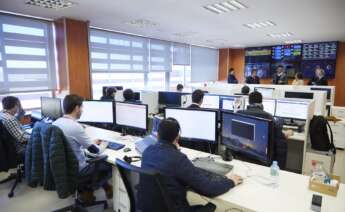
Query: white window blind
[160, 55]
[181, 54]
[26, 55]
[204, 64]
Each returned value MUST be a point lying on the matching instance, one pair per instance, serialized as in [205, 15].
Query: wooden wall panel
[223, 64]
[73, 51]
[236, 57]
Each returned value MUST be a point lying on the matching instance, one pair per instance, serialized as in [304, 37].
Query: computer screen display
[210, 101]
[170, 98]
[136, 96]
[292, 109]
[299, 95]
[269, 105]
[247, 135]
[131, 115]
[328, 90]
[195, 124]
[51, 107]
[287, 52]
[266, 92]
[97, 112]
[263, 69]
[231, 102]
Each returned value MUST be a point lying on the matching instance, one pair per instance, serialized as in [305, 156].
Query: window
[27, 66]
[156, 81]
[181, 74]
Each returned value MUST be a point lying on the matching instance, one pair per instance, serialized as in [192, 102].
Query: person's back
[197, 99]
[170, 162]
[109, 94]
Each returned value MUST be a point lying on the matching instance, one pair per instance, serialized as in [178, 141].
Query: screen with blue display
[320, 51]
[248, 135]
[309, 66]
[287, 52]
[262, 68]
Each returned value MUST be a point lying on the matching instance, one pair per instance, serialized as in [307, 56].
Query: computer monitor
[269, 105]
[136, 96]
[292, 109]
[104, 89]
[98, 112]
[328, 90]
[51, 107]
[171, 99]
[266, 92]
[210, 101]
[198, 125]
[299, 95]
[248, 136]
[132, 115]
[230, 102]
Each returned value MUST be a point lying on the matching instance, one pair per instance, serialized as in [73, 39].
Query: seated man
[166, 158]
[12, 109]
[80, 141]
[109, 94]
[179, 88]
[197, 99]
[255, 108]
[128, 96]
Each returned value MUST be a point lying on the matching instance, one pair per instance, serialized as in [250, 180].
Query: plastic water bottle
[275, 174]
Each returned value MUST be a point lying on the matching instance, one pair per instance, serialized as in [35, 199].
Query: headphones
[131, 159]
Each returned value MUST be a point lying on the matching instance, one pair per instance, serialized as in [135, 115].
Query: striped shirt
[14, 127]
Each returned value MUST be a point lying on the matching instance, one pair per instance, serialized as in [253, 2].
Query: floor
[37, 200]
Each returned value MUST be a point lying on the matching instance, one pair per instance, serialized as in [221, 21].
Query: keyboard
[114, 146]
[210, 165]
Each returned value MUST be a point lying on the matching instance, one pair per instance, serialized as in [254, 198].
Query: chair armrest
[97, 159]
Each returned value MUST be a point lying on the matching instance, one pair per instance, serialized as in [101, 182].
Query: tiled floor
[37, 200]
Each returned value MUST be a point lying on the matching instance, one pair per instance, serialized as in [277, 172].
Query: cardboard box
[323, 188]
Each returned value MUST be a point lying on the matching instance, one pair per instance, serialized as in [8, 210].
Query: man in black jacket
[280, 77]
[197, 99]
[166, 158]
[255, 108]
[319, 78]
[231, 76]
[253, 78]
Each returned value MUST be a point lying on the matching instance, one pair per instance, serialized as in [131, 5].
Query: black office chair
[145, 189]
[11, 156]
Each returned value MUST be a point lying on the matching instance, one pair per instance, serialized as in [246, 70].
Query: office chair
[11, 156]
[86, 184]
[145, 189]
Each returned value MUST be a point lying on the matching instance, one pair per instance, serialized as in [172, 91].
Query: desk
[292, 195]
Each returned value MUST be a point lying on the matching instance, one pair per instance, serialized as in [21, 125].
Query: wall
[72, 44]
[235, 58]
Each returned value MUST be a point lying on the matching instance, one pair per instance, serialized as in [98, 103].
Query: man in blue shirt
[166, 158]
[231, 76]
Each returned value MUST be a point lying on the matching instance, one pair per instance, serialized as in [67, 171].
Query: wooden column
[72, 43]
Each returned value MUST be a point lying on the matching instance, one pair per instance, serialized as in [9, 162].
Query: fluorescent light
[260, 24]
[230, 6]
[223, 7]
[237, 4]
[213, 9]
[293, 41]
[280, 35]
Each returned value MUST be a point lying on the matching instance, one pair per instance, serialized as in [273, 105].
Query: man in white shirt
[80, 141]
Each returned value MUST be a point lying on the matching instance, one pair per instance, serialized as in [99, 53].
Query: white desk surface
[292, 194]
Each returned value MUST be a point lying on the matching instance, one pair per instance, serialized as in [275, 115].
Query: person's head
[73, 105]
[169, 130]
[198, 96]
[231, 71]
[254, 72]
[128, 94]
[319, 72]
[298, 76]
[255, 97]
[280, 69]
[179, 87]
[245, 90]
[11, 104]
[111, 92]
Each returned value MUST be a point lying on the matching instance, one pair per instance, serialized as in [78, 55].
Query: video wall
[304, 58]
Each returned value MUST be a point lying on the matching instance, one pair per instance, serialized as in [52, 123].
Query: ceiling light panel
[51, 4]
[224, 7]
[293, 41]
[280, 35]
[261, 24]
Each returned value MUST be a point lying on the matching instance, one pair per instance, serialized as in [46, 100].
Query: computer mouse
[127, 149]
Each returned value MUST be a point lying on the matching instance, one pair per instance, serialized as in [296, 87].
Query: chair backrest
[145, 189]
[8, 153]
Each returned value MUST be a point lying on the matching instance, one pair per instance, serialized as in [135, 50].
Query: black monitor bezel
[287, 118]
[199, 109]
[175, 92]
[114, 114]
[51, 98]
[270, 141]
[328, 90]
[297, 92]
[132, 127]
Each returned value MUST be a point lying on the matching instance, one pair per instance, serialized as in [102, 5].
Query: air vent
[143, 23]
[51, 4]
[224, 7]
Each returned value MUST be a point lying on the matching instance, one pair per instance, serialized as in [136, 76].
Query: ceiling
[187, 21]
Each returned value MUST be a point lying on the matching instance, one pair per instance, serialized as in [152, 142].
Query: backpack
[318, 130]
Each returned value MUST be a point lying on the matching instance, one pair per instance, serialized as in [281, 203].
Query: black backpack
[319, 134]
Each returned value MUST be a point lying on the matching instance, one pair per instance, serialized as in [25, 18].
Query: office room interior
[154, 106]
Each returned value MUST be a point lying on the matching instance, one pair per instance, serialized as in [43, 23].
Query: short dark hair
[168, 129]
[254, 70]
[299, 75]
[179, 87]
[255, 97]
[9, 102]
[70, 102]
[231, 69]
[128, 94]
[280, 66]
[110, 91]
[245, 90]
[197, 96]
